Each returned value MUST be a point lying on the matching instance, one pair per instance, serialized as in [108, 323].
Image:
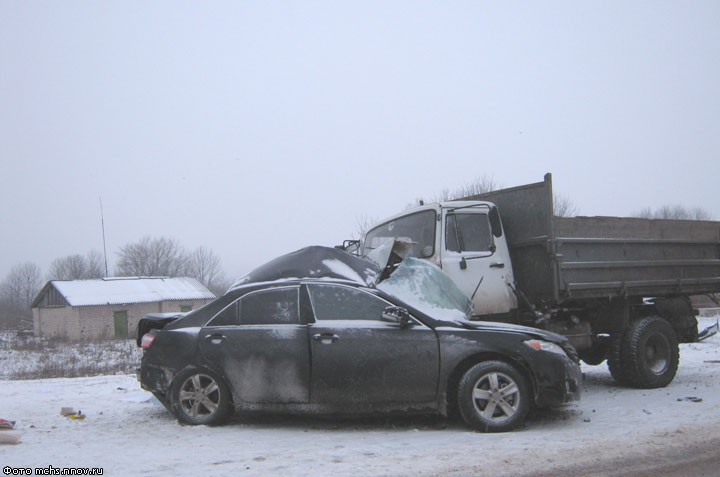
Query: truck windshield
[417, 229]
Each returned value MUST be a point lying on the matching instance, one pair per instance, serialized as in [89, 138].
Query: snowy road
[128, 433]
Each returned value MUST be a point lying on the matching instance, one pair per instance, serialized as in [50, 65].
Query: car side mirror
[397, 314]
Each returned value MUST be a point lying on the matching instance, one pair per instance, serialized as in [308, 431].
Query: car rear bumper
[154, 378]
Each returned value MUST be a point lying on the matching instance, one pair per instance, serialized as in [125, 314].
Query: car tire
[650, 348]
[200, 397]
[493, 396]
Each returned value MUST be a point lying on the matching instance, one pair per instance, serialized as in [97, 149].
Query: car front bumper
[558, 380]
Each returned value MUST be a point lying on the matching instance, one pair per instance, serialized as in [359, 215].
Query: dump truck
[619, 288]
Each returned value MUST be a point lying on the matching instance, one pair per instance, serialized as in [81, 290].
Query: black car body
[316, 331]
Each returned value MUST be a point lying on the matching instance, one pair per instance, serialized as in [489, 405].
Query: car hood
[509, 327]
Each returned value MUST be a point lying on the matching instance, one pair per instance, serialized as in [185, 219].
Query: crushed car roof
[316, 262]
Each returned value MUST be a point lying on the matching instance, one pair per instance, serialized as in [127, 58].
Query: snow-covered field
[26, 357]
[127, 432]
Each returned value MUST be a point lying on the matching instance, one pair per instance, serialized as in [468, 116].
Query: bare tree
[364, 223]
[17, 292]
[204, 265]
[676, 212]
[152, 257]
[477, 186]
[77, 267]
[95, 264]
[72, 267]
[563, 207]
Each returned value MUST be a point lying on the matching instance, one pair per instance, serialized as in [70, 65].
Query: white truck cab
[466, 240]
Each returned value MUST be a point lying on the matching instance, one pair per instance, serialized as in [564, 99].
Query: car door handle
[326, 338]
[497, 265]
[215, 339]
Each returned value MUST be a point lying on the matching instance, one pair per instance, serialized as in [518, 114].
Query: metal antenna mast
[102, 222]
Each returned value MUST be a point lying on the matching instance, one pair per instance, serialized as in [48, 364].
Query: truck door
[477, 261]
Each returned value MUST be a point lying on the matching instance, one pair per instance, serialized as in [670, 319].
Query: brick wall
[98, 322]
[61, 322]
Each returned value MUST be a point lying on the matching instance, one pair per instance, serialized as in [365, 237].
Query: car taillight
[147, 341]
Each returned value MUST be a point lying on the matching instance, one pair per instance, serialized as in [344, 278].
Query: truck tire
[616, 361]
[679, 312]
[647, 355]
[594, 355]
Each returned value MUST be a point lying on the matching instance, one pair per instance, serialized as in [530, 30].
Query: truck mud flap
[711, 330]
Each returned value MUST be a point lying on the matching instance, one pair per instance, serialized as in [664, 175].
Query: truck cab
[466, 240]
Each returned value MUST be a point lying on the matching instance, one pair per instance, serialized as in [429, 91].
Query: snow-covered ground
[127, 432]
[25, 357]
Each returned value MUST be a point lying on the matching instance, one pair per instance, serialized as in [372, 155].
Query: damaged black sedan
[320, 330]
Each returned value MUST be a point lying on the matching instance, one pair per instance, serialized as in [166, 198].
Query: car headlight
[541, 345]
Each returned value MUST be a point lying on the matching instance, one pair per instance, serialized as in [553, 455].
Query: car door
[359, 359]
[260, 346]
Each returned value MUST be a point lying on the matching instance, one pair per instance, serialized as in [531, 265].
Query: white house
[111, 307]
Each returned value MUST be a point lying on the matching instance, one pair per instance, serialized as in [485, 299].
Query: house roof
[126, 290]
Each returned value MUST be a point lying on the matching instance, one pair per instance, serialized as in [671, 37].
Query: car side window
[337, 302]
[277, 306]
[227, 317]
[468, 233]
[265, 307]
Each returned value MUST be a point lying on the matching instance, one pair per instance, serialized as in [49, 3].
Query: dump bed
[557, 259]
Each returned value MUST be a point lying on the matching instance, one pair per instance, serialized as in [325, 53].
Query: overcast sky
[255, 128]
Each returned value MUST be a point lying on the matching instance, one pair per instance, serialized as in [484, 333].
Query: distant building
[111, 307]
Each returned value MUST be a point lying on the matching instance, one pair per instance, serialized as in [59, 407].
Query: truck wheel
[648, 353]
[689, 334]
[200, 397]
[493, 397]
[617, 363]
[595, 355]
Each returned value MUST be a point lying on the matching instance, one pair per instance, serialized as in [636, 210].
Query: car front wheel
[199, 397]
[493, 396]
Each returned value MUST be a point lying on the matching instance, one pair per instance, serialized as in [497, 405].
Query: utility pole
[102, 222]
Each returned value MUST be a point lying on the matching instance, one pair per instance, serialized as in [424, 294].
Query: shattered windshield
[417, 229]
[424, 286]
